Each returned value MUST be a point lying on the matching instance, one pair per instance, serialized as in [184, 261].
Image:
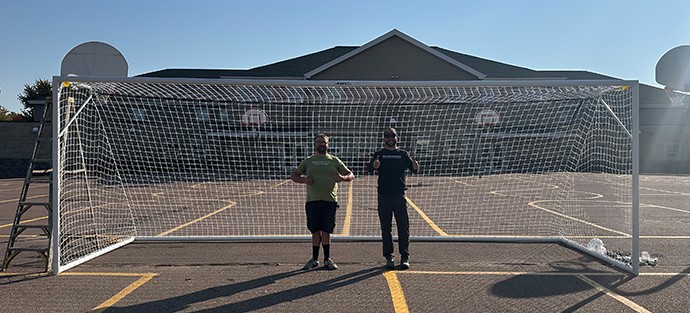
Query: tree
[7, 115]
[41, 89]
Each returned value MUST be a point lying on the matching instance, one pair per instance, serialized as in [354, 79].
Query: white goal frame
[632, 266]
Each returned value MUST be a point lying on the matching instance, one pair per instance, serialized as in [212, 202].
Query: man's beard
[389, 143]
[321, 149]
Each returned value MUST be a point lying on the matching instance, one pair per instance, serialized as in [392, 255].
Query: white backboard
[94, 58]
[673, 69]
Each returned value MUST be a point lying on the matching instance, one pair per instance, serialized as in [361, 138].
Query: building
[397, 56]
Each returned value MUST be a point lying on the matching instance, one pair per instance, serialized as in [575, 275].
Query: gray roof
[303, 67]
[296, 68]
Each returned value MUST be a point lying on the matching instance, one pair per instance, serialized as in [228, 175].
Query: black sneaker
[329, 264]
[311, 264]
[390, 262]
[405, 264]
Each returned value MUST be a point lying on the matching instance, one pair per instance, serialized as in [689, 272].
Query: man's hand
[300, 178]
[377, 162]
[341, 178]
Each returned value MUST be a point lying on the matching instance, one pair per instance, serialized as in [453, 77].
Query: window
[673, 151]
[223, 115]
[422, 147]
[139, 114]
[202, 115]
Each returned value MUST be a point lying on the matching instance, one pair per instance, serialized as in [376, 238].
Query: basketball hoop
[677, 97]
[487, 118]
[254, 117]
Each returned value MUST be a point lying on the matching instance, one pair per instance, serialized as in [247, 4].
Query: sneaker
[405, 264]
[390, 262]
[329, 264]
[311, 264]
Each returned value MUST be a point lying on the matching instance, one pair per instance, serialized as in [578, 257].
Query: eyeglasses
[389, 136]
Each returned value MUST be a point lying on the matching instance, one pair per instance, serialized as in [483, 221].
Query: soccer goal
[172, 159]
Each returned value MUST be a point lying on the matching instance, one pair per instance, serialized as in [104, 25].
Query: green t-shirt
[322, 169]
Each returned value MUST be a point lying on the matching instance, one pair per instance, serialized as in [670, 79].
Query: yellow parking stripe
[426, 218]
[397, 295]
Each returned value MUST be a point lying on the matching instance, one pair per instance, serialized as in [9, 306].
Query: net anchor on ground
[39, 172]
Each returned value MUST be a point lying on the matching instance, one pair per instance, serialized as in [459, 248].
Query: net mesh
[677, 97]
[201, 160]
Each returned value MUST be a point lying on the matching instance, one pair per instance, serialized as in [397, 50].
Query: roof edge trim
[385, 36]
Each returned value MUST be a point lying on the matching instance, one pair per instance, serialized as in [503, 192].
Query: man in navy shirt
[391, 164]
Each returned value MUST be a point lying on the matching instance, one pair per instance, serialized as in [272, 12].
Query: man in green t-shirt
[321, 172]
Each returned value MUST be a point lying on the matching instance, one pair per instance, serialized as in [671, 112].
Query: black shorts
[321, 216]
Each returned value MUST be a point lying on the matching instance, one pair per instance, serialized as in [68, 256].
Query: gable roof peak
[403, 36]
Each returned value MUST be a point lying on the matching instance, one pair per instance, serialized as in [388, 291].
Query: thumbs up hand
[377, 162]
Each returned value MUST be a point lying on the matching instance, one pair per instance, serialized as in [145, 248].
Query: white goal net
[209, 160]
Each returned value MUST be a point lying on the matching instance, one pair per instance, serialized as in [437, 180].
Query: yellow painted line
[143, 278]
[281, 183]
[16, 200]
[123, 293]
[197, 220]
[636, 307]
[397, 295]
[426, 218]
[35, 274]
[208, 183]
[348, 212]
[216, 211]
[26, 221]
[400, 304]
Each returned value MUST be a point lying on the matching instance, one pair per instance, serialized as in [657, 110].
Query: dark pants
[390, 205]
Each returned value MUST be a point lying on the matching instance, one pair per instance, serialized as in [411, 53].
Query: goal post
[186, 159]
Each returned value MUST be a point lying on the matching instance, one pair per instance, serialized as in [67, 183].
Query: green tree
[7, 115]
[41, 89]
[4, 114]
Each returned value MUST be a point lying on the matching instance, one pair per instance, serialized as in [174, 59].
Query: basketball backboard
[673, 69]
[94, 58]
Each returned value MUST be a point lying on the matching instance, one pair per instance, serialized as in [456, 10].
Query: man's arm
[346, 175]
[374, 163]
[414, 164]
[299, 178]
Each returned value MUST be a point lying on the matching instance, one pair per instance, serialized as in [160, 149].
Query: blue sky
[618, 38]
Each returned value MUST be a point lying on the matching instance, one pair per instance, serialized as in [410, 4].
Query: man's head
[321, 143]
[390, 137]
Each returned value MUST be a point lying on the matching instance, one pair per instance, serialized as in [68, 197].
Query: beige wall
[394, 59]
